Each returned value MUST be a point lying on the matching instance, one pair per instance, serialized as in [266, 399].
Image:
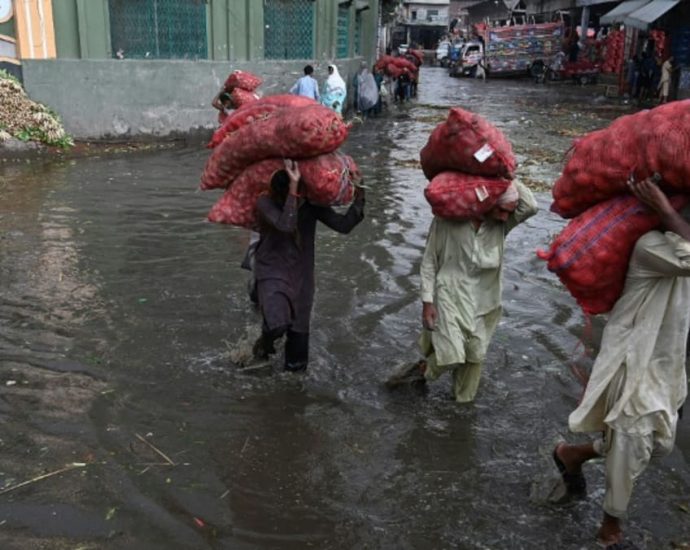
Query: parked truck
[513, 50]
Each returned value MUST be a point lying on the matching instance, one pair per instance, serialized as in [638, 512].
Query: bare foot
[610, 531]
[569, 455]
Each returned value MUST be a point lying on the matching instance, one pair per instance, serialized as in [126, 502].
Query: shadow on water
[119, 305]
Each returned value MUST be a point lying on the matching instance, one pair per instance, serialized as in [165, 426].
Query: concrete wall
[135, 98]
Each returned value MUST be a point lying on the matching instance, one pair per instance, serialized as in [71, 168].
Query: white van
[443, 53]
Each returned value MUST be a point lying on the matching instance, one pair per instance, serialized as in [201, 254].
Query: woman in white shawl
[334, 90]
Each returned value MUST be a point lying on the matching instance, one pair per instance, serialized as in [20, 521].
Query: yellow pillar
[35, 29]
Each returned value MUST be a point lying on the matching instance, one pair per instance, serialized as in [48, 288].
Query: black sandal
[576, 484]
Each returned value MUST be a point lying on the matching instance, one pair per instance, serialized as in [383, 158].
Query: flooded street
[120, 304]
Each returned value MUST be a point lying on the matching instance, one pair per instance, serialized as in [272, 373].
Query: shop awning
[583, 3]
[618, 14]
[646, 15]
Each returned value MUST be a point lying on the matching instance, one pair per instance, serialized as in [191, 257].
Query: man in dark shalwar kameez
[284, 262]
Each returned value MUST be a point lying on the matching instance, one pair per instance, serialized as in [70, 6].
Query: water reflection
[117, 298]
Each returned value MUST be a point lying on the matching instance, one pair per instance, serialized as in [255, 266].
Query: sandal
[576, 484]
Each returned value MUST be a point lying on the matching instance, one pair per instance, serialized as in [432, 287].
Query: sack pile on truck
[258, 137]
[242, 86]
[591, 254]
[470, 164]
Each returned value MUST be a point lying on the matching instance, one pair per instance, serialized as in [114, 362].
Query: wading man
[638, 380]
[284, 262]
[461, 293]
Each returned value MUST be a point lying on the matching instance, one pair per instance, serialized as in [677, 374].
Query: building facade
[421, 23]
[130, 67]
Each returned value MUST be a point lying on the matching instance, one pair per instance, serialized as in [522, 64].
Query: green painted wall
[67, 29]
[82, 29]
[94, 29]
[7, 28]
[235, 29]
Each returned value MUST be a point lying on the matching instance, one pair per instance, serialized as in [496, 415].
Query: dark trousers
[296, 347]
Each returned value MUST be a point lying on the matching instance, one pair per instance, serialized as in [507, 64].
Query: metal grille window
[343, 39]
[288, 29]
[358, 33]
[158, 29]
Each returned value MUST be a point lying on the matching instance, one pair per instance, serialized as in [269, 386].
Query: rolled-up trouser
[280, 317]
[466, 377]
[626, 455]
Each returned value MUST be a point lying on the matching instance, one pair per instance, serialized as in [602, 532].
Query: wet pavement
[120, 307]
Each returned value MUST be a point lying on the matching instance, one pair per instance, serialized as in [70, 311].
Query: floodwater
[119, 306]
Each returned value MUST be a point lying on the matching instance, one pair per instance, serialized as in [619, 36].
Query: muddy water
[119, 306]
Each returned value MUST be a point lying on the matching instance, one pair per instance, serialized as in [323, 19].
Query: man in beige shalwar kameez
[638, 380]
[461, 292]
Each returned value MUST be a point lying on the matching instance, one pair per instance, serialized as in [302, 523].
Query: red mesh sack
[393, 70]
[382, 62]
[327, 181]
[591, 254]
[237, 206]
[466, 142]
[255, 111]
[242, 80]
[664, 145]
[416, 57]
[297, 133]
[242, 97]
[403, 63]
[597, 169]
[648, 142]
[455, 195]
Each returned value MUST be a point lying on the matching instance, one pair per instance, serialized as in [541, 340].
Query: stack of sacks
[614, 55]
[256, 140]
[241, 86]
[257, 110]
[662, 43]
[394, 67]
[591, 254]
[647, 142]
[470, 164]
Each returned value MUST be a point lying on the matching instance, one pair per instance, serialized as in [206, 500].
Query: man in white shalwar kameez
[461, 292]
[638, 380]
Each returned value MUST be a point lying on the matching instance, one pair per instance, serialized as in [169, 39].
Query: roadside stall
[647, 27]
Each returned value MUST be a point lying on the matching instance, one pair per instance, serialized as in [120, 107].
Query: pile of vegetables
[27, 120]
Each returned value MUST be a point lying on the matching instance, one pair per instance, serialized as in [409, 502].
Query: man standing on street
[665, 81]
[461, 293]
[307, 85]
[638, 381]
